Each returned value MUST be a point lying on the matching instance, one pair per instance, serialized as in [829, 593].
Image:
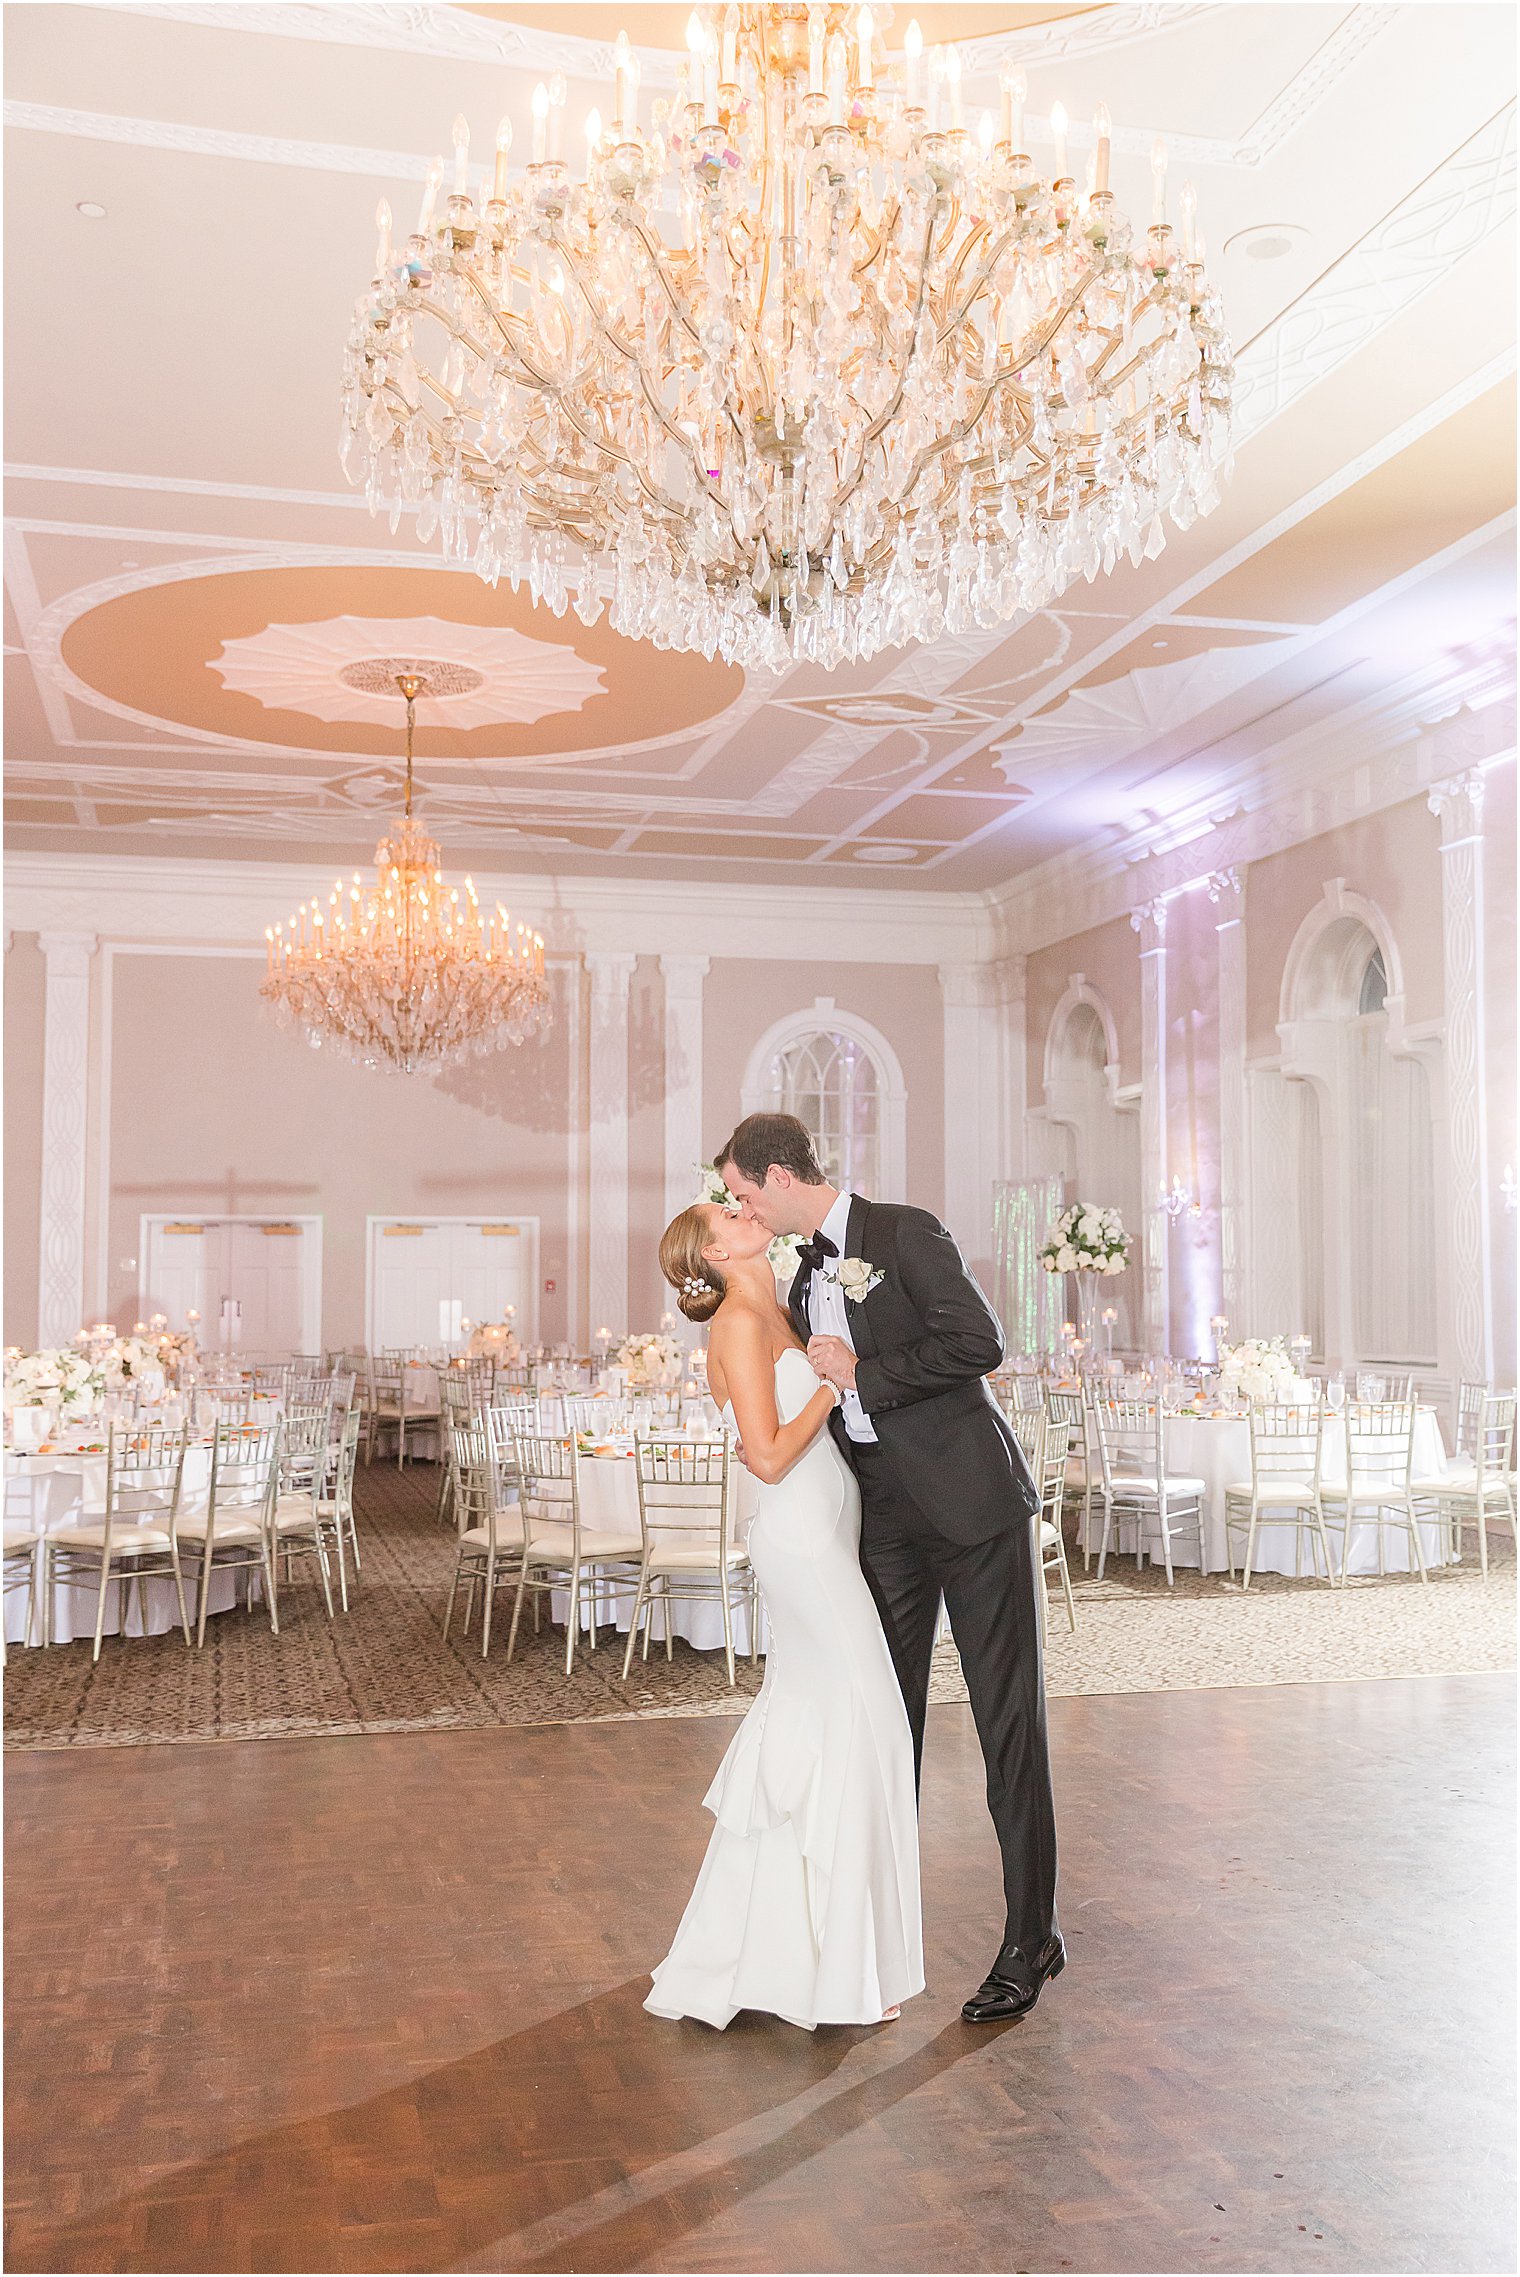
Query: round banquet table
[610, 1504]
[1217, 1449]
[54, 1492]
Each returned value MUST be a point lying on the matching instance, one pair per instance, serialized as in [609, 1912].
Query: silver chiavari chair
[335, 1500]
[1378, 1489]
[594, 1415]
[559, 1552]
[1481, 1486]
[689, 1554]
[490, 1530]
[1137, 1488]
[1083, 1470]
[1285, 1487]
[457, 1407]
[235, 1529]
[137, 1538]
[21, 1556]
[1050, 1478]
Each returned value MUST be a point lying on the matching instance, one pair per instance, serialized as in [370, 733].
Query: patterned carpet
[385, 1666]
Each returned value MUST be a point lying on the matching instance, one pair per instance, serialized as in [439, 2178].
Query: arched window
[1357, 1198]
[828, 1081]
[840, 1077]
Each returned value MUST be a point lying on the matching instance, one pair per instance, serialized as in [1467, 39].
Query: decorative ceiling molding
[1366, 758]
[1109, 722]
[189, 486]
[531, 49]
[123, 898]
[44, 632]
[457, 34]
[1466, 198]
[308, 668]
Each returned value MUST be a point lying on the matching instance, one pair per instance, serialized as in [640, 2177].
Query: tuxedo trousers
[988, 1588]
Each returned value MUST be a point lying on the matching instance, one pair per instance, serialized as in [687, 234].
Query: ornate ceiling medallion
[880, 381]
[346, 668]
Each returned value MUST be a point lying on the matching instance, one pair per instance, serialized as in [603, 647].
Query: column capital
[1458, 804]
[68, 954]
[1226, 890]
[962, 983]
[611, 970]
[684, 975]
[1149, 921]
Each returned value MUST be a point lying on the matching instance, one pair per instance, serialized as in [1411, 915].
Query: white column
[65, 1133]
[1459, 805]
[1011, 976]
[607, 1125]
[684, 1143]
[1149, 921]
[1227, 892]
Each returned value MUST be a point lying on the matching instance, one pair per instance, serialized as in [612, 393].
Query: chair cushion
[558, 1541]
[19, 1537]
[1049, 1535]
[508, 1535]
[231, 1526]
[1127, 1489]
[125, 1540]
[1463, 1483]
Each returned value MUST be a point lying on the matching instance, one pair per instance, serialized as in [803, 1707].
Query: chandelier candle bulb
[866, 31]
[1189, 204]
[936, 86]
[429, 198]
[556, 113]
[1158, 183]
[540, 122]
[593, 131]
[1058, 124]
[729, 72]
[817, 41]
[953, 82]
[1103, 127]
[383, 225]
[503, 146]
[622, 64]
[461, 156]
[913, 48]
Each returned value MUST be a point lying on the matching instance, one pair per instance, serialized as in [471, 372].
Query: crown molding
[218, 902]
[1358, 763]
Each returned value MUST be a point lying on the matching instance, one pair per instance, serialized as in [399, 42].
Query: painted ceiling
[195, 601]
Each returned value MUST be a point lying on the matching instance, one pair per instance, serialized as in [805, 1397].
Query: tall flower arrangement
[1259, 1370]
[1085, 1239]
[61, 1375]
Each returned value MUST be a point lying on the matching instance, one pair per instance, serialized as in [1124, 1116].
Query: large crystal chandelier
[813, 366]
[406, 975]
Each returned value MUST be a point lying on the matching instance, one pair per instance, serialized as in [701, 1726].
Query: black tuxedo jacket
[925, 1340]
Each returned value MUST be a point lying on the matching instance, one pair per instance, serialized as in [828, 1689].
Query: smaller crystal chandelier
[408, 974]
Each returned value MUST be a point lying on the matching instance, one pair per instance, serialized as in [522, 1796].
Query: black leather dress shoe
[1012, 1985]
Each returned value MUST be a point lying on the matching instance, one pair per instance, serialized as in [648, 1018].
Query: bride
[807, 1903]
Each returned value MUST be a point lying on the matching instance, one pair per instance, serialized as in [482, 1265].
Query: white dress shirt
[828, 1314]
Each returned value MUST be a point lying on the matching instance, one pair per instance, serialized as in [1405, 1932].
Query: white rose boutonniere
[856, 1278]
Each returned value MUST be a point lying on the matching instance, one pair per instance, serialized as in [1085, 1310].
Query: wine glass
[1335, 1392]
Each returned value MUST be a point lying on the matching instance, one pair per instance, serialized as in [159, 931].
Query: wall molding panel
[65, 1134]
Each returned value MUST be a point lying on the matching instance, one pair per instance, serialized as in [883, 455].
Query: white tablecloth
[1218, 1450]
[54, 1492]
[610, 1504]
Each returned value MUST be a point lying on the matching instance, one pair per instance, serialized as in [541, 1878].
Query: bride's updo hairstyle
[700, 1287]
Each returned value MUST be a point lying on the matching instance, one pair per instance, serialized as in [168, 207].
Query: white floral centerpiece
[1085, 1239]
[55, 1376]
[654, 1361]
[1260, 1371]
[130, 1360]
[710, 1188]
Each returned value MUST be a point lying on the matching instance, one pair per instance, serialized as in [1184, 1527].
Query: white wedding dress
[807, 1904]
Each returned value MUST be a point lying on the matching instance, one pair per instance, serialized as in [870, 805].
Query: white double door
[256, 1282]
[430, 1276]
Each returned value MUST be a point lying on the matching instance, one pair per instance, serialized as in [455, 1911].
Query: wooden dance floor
[374, 2004]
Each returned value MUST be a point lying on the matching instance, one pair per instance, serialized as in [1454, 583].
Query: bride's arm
[743, 1352]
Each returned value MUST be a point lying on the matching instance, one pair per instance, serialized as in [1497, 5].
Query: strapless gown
[807, 1903]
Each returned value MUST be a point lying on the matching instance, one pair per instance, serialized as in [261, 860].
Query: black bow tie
[812, 1253]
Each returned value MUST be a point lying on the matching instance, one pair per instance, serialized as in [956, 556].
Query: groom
[891, 1316]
